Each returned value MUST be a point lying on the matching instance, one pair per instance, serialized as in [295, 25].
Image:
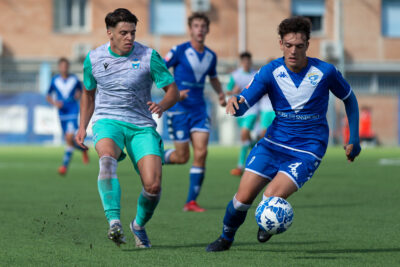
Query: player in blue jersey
[296, 141]
[64, 93]
[188, 119]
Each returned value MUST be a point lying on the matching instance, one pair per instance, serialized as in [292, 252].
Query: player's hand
[352, 151]
[80, 138]
[233, 105]
[183, 94]
[221, 99]
[155, 108]
[58, 104]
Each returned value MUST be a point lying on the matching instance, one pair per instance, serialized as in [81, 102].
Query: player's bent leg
[236, 211]
[150, 173]
[245, 146]
[69, 150]
[281, 186]
[197, 171]
[179, 155]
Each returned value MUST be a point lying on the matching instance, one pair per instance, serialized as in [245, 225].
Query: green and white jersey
[124, 83]
[242, 78]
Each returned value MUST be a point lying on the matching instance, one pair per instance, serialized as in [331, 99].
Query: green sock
[243, 154]
[110, 194]
[147, 203]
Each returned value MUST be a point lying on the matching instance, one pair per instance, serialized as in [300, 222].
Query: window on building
[70, 16]
[391, 18]
[312, 9]
[168, 17]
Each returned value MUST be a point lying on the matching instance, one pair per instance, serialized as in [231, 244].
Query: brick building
[37, 31]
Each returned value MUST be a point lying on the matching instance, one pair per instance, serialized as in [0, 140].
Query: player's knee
[153, 188]
[108, 167]
[201, 154]
[277, 192]
[182, 157]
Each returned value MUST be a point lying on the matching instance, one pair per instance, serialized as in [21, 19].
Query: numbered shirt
[300, 101]
[64, 90]
[124, 83]
[190, 71]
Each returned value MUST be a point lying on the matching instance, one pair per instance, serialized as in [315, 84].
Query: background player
[121, 74]
[295, 143]
[188, 119]
[64, 93]
[239, 79]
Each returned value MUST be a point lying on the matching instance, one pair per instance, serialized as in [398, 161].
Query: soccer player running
[118, 77]
[188, 119]
[295, 143]
[239, 79]
[64, 93]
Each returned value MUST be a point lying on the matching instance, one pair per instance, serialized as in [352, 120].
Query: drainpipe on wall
[242, 25]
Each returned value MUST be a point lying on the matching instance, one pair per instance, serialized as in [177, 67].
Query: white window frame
[60, 17]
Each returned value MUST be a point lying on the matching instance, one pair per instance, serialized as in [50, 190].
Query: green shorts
[266, 118]
[139, 141]
[247, 122]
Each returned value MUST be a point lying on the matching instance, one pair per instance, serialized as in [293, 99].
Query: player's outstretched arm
[86, 112]
[216, 85]
[353, 148]
[170, 98]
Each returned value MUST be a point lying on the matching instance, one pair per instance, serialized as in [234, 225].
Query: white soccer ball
[274, 215]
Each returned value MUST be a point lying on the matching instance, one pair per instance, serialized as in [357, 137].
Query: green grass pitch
[347, 215]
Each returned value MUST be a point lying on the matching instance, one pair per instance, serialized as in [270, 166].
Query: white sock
[112, 222]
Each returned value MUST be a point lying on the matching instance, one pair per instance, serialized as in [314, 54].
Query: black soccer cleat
[263, 236]
[221, 244]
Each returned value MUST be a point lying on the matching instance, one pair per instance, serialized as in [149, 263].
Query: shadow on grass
[344, 251]
[185, 246]
[328, 205]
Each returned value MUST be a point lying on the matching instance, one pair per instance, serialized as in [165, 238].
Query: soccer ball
[274, 215]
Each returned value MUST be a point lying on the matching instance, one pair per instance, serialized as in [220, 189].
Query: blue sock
[196, 180]
[67, 156]
[167, 155]
[234, 217]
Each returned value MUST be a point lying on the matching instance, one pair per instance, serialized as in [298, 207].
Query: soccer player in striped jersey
[292, 149]
[64, 93]
[118, 77]
[188, 120]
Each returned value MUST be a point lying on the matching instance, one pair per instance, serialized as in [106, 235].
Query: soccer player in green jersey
[118, 77]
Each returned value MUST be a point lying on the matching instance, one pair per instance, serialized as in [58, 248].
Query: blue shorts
[267, 162]
[181, 125]
[69, 126]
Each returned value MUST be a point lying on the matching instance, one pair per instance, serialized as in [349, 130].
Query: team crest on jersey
[180, 134]
[135, 63]
[313, 78]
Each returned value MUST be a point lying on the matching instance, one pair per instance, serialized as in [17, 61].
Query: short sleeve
[52, 88]
[78, 84]
[159, 72]
[257, 88]
[171, 59]
[231, 84]
[88, 80]
[338, 85]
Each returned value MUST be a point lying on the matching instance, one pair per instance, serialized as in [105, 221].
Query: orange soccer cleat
[193, 206]
[62, 170]
[236, 171]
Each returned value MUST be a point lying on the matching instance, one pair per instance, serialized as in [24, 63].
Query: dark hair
[296, 24]
[198, 15]
[63, 59]
[245, 54]
[120, 15]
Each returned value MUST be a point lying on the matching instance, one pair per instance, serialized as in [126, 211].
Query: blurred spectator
[367, 136]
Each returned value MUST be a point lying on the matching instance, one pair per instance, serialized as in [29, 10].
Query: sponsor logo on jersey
[293, 168]
[135, 63]
[105, 64]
